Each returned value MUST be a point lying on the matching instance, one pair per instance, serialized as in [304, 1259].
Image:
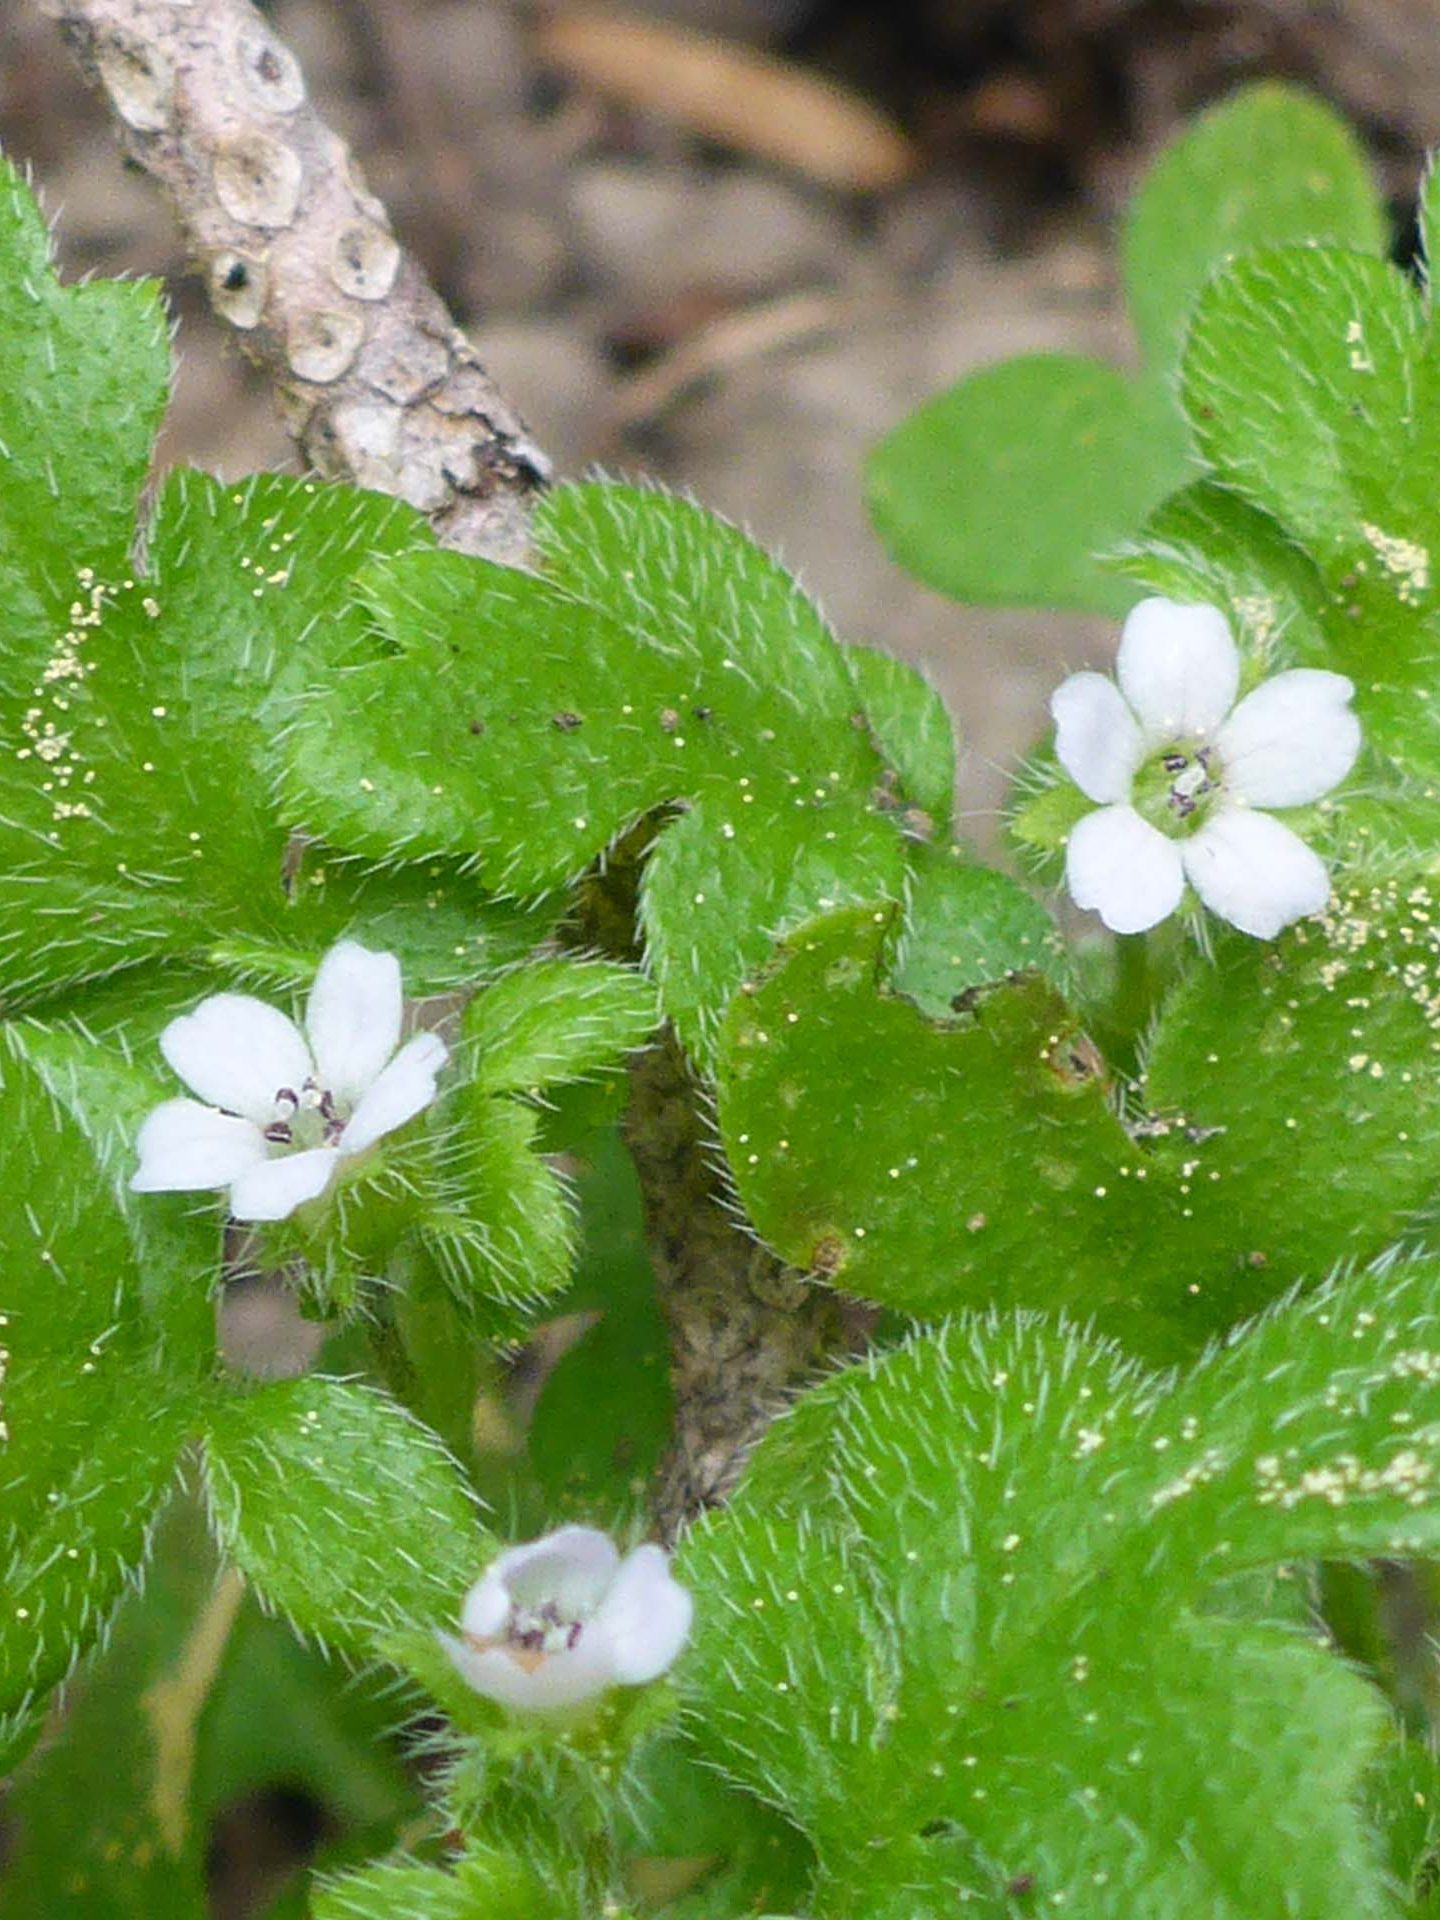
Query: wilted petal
[1254, 872]
[404, 1089]
[236, 1052]
[1291, 740]
[1096, 739]
[185, 1148]
[557, 1680]
[353, 1017]
[275, 1188]
[645, 1617]
[1123, 868]
[1178, 668]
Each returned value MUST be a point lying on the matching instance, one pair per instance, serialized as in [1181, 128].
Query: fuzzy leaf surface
[523, 721]
[87, 379]
[498, 1223]
[556, 1021]
[966, 927]
[484, 1885]
[983, 1518]
[1311, 379]
[910, 725]
[108, 1336]
[341, 1510]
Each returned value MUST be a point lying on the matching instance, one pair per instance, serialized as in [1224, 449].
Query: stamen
[279, 1133]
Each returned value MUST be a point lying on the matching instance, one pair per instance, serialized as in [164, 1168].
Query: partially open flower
[1180, 774]
[558, 1621]
[282, 1110]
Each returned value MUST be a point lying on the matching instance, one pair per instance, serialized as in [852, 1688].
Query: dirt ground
[657, 300]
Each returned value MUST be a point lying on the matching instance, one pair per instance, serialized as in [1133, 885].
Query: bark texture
[377, 384]
[743, 1327]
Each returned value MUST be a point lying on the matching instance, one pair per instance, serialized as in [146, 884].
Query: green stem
[389, 1352]
[1134, 982]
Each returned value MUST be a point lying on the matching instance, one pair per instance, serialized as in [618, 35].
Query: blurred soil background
[739, 301]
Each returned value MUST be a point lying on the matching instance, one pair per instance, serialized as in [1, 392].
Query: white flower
[282, 1110]
[556, 1622]
[1178, 771]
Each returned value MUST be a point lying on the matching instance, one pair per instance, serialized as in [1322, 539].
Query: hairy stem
[743, 1327]
[379, 388]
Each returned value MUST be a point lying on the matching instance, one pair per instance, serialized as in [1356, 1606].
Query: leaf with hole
[980, 1158]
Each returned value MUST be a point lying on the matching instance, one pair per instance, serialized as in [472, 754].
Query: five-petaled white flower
[283, 1110]
[1178, 771]
[558, 1621]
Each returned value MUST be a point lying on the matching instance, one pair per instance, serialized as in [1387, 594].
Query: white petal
[561, 1680]
[185, 1147]
[1291, 740]
[645, 1617]
[1096, 739]
[572, 1566]
[353, 1017]
[237, 1053]
[487, 1605]
[405, 1088]
[1254, 872]
[275, 1188]
[1178, 668]
[1123, 868]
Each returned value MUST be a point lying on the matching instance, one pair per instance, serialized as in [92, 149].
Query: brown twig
[381, 389]
[377, 384]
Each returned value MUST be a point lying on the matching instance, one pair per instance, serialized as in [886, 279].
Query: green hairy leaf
[106, 1324]
[1310, 379]
[342, 1510]
[146, 666]
[982, 1521]
[499, 1224]
[1008, 487]
[524, 722]
[965, 927]
[556, 1021]
[910, 725]
[484, 1885]
[982, 1158]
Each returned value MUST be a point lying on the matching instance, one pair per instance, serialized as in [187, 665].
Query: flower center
[542, 1630]
[534, 1632]
[309, 1118]
[1176, 789]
